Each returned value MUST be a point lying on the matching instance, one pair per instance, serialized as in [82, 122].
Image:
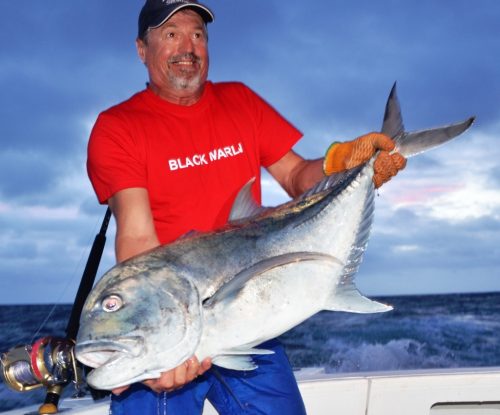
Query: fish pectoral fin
[348, 298]
[231, 288]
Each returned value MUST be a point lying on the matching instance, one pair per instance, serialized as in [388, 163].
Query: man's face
[176, 56]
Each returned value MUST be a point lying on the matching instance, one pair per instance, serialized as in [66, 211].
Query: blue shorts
[269, 389]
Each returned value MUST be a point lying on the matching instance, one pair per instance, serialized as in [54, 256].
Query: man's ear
[141, 49]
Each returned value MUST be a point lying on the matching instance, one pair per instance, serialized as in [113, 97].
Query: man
[172, 158]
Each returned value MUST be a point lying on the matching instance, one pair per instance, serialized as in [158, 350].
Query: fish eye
[112, 303]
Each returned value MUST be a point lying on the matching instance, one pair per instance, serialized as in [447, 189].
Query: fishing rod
[50, 362]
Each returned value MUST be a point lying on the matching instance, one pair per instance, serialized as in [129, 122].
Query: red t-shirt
[193, 160]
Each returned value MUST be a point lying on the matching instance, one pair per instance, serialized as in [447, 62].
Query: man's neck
[181, 97]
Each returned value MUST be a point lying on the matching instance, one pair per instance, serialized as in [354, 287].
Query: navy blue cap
[156, 12]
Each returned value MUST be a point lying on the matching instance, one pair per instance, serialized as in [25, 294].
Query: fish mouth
[97, 353]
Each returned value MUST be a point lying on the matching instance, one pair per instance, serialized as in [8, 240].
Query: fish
[221, 294]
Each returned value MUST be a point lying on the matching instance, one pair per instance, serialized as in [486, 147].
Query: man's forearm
[307, 174]
[295, 174]
[135, 230]
[127, 247]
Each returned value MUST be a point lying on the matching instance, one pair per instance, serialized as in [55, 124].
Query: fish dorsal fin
[244, 205]
[233, 287]
[393, 121]
[188, 234]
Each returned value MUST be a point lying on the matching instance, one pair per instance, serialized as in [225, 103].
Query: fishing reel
[50, 363]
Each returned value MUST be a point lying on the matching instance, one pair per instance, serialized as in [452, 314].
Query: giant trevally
[220, 294]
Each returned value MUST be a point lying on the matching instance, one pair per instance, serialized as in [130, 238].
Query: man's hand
[175, 378]
[342, 156]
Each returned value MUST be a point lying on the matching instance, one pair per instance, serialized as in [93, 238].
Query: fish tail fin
[412, 143]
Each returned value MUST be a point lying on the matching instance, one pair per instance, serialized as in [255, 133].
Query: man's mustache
[185, 57]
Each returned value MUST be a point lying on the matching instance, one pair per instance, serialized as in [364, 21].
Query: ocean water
[422, 332]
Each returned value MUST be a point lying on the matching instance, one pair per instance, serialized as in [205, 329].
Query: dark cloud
[452, 252]
[26, 173]
[43, 259]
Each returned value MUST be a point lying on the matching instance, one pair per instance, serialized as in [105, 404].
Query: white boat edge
[474, 391]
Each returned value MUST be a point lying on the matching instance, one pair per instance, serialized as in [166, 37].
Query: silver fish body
[221, 294]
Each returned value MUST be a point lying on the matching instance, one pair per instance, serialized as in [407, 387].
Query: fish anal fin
[348, 298]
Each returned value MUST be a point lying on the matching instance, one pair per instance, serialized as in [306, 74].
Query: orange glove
[343, 156]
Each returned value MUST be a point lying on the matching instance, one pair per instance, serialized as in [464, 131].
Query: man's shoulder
[233, 89]
[230, 87]
[132, 103]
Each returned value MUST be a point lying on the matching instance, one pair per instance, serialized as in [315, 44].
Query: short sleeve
[276, 135]
[115, 158]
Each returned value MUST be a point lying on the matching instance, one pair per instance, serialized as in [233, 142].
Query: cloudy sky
[326, 65]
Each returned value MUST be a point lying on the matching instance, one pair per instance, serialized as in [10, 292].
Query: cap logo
[168, 2]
